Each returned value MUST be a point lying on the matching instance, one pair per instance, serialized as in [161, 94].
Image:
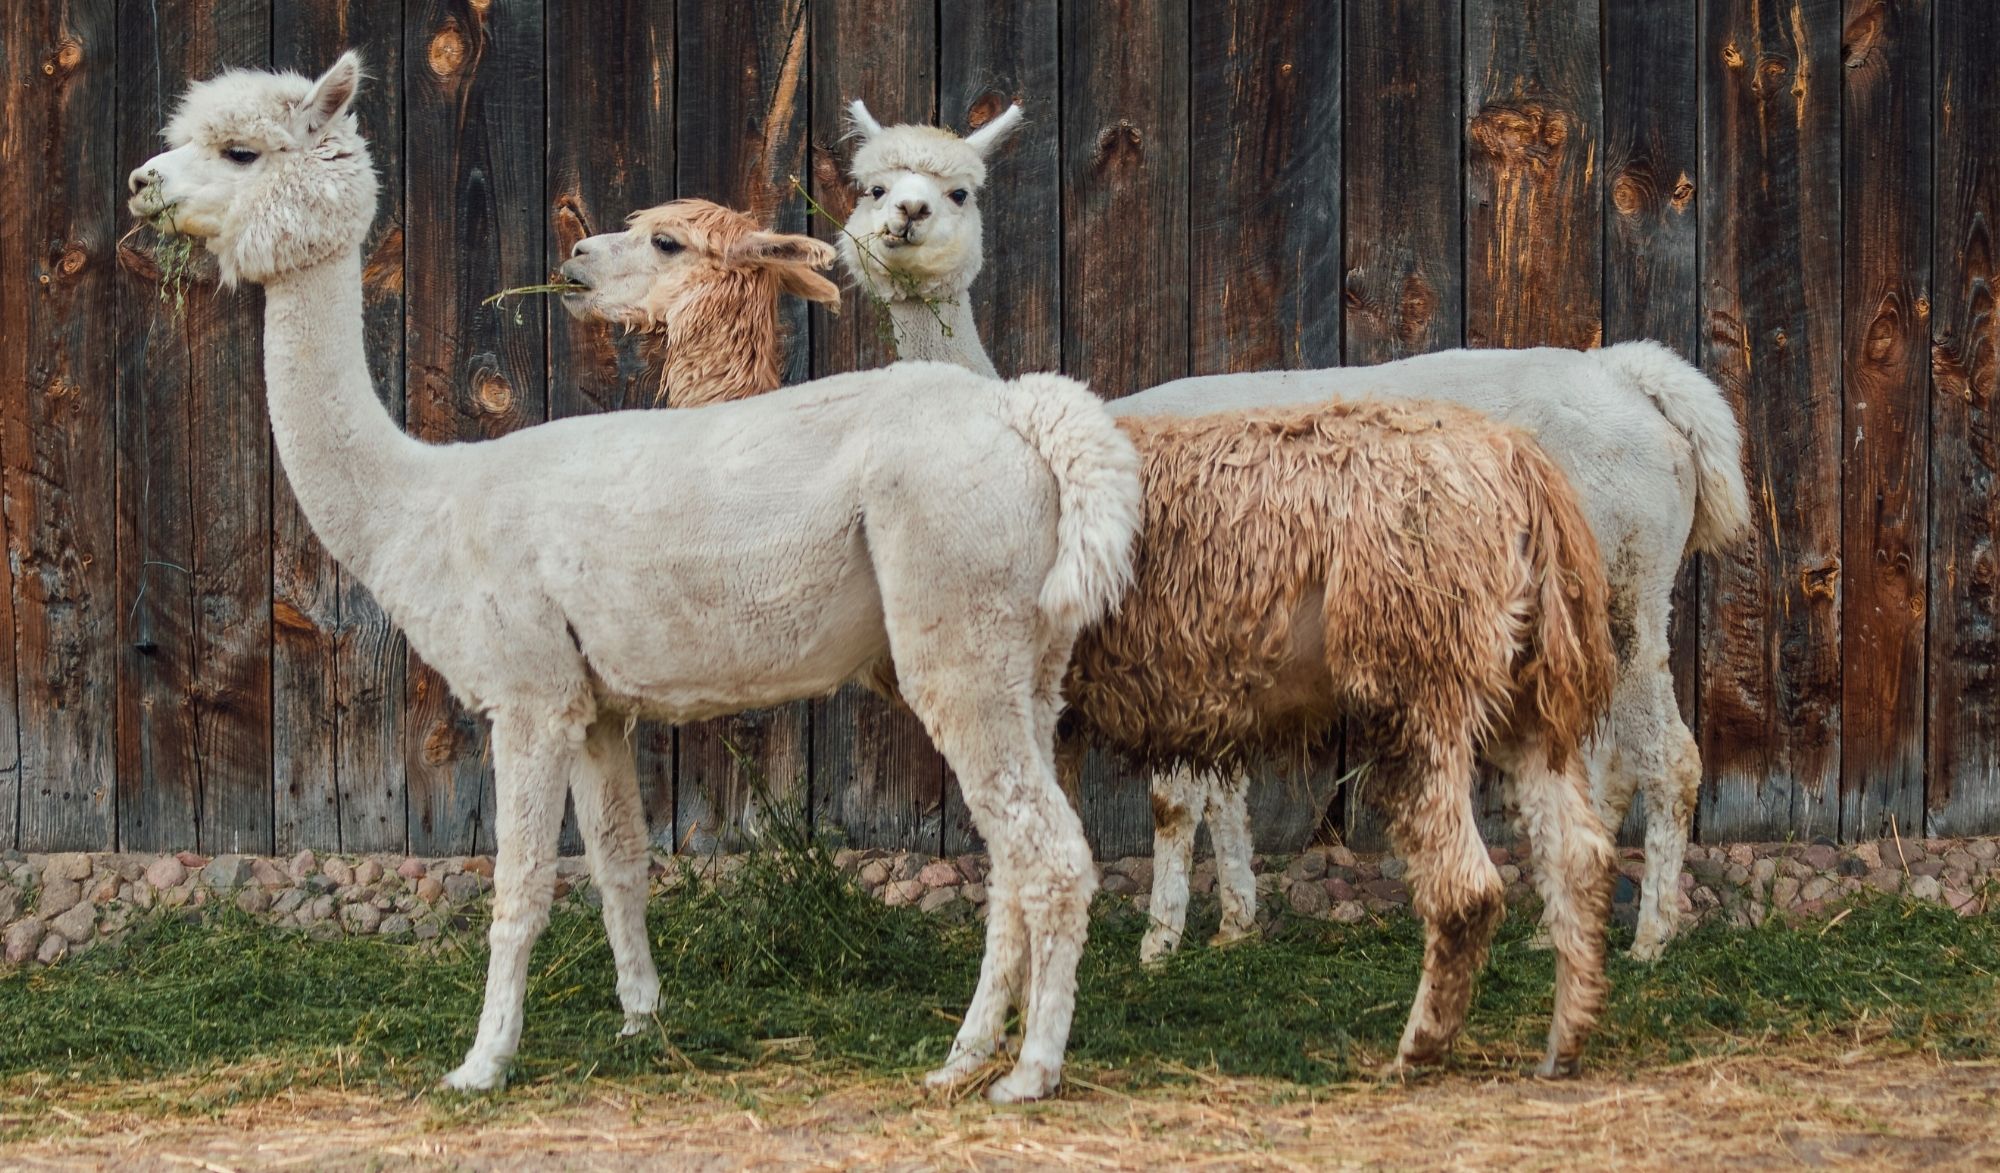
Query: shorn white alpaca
[1651, 446]
[681, 564]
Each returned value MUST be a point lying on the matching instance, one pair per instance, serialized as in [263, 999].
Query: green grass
[791, 963]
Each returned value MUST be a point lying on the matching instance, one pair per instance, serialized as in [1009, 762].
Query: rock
[973, 868]
[1509, 873]
[1138, 869]
[1348, 912]
[937, 898]
[1924, 887]
[1816, 889]
[461, 888]
[898, 893]
[69, 865]
[1870, 855]
[1392, 891]
[1797, 869]
[267, 874]
[128, 866]
[1820, 857]
[1741, 855]
[1961, 859]
[1784, 891]
[104, 889]
[253, 899]
[429, 889]
[1885, 879]
[54, 948]
[58, 896]
[1499, 856]
[397, 925]
[1117, 885]
[1738, 874]
[1854, 865]
[875, 873]
[482, 866]
[974, 893]
[360, 918]
[1339, 890]
[906, 866]
[288, 901]
[320, 909]
[1339, 856]
[22, 937]
[1763, 870]
[304, 864]
[1268, 884]
[1310, 866]
[338, 871]
[412, 869]
[78, 924]
[1984, 849]
[426, 931]
[939, 874]
[227, 872]
[324, 930]
[1625, 891]
[1962, 903]
[1394, 868]
[191, 860]
[1309, 898]
[10, 904]
[1929, 866]
[847, 859]
[369, 872]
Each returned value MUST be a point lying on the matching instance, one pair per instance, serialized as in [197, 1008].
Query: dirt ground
[1740, 1112]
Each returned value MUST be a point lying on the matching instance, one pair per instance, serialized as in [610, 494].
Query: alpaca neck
[349, 465]
[721, 344]
[939, 330]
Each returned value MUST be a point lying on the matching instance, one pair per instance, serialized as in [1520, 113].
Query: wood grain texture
[1885, 296]
[742, 127]
[1265, 167]
[880, 780]
[1770, 623]
[1534, 153]
[611, 152]
[1963, 794]
[58, 399]
[476, 169]
[1126, 318]
[1652, 240]
[337, 663]
[194, 480]
[990, 55]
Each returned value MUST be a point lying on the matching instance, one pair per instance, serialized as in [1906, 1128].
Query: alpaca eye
[876, 192]
[667, 245]
[958, 195]
[241, 156]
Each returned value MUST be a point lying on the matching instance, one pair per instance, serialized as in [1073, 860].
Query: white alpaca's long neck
[347, 461]
[941, 330]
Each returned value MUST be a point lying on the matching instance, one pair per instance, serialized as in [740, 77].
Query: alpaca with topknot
[1651, 446]
[1425, 567]
[572, 576]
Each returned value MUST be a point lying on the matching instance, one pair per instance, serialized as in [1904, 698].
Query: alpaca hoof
[1649, 945]
[474, 1075]
[1022, 1084]
[959, 1069]
[1230, 934]
[636, 1023]
[1156, 947]
[1556, 1067]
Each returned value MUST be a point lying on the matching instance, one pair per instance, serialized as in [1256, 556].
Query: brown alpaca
[701, 282]
[1417, 567]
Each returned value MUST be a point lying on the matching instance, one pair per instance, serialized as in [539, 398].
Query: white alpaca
[571, 576]
[1650, 444]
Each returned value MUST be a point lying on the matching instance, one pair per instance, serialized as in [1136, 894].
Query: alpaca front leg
[1177, 803]
[1227, 805]
[605, 788]
[531, 765]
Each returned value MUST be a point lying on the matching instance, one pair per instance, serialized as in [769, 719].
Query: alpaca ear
[800, 281]
[332, 93]
[860, 121]
[781, 248]
[995, 132]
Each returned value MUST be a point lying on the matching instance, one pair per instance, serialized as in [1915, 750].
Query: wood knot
[73, 260]
[1683, 193]
[1771, 74]
[69, 55]
[383, 271]
[1732, 56]
[1632, 191]
[991, 104]
[493, 393]
[1820, 582]
[441, 744]
[1514, 132]
[447, 50]
[1122, 140]
[1413, 313]
[288, 619]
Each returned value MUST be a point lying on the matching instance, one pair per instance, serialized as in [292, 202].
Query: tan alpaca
[571, 576]
[1650, 445]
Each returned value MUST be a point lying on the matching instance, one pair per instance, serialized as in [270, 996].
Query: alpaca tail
[1570, 664]
[1697, 409]
[1097, 489]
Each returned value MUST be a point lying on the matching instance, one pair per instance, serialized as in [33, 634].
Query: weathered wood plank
[475, 165]
[1651, 239]
[1126, 317]
[1770, 622]
[611, 152]
[337, 663]
[1885, 204]
[1963, 795]
[194, 486]
[990, 55]
[58, 289]
[1404, 287]
[1265, 166]
[742, 118]
[879, 781]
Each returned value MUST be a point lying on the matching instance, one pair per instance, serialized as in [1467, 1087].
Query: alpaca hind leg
[1227, 806]
[1573, 865]
[605, 789]
[533, 762]
[1003, 979]
[1454, 887]
[1177, 802]
[1670, 801]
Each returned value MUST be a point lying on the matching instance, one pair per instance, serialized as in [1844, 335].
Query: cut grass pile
[790, 963]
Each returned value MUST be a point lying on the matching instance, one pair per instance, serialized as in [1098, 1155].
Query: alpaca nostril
[580, 247]
[139, 181]
[914, 210]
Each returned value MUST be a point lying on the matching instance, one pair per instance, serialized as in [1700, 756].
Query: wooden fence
[1802, 196]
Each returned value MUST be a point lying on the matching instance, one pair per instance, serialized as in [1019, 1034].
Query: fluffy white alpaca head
[917, 218]
[267, 169]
